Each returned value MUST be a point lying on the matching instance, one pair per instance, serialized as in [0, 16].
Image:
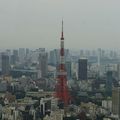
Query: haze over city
[35, 23]
[59, 60]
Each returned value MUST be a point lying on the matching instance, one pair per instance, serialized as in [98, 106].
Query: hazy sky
[37, 23]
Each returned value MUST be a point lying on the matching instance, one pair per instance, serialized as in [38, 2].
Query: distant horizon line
[48, 48]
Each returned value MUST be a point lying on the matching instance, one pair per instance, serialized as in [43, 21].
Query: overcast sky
[37, 23]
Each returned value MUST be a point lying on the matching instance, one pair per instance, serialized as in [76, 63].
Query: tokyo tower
[62, 92]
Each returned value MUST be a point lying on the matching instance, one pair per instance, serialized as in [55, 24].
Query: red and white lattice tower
[62, 92]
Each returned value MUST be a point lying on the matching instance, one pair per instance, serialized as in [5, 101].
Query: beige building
[55, 115]
[116, 102]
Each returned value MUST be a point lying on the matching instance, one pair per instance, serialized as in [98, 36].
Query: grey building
[82, 69]
[43, 63]
[109, 82]
[21, 55]
[5, 64]
[68, 69]
[15, 53]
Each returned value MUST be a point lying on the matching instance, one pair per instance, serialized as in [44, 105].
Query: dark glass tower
[109, 83]
[5, 64]
[82, 69]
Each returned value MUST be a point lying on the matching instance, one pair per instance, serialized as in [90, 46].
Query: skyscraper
[82, 69]
[12, 60]
[5, 64]
[21, 55]
[15, 53]
[118, 71]
[99, 61]
[116, 102]
[68, 69]
[14, 57]
[27, 51]
[43, 63]
[109, 83]
[53, 58]
[81, 53]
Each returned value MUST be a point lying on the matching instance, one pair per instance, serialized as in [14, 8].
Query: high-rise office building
[82, 69]
[12, 60]
[27, 51]
[53, 58]
[21, 55]
[27, 56]
[15, 53]
[5, 64]
[87, 53]
[99, 61]
[8, 52]
[116, 102]
[118, 71]
[43, 63]
[81, 53]
[109, 81]
[68, 69]
[34, 55]
[14, 57]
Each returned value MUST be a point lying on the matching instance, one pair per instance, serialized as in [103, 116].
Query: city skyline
[43, 79]
[87, 24]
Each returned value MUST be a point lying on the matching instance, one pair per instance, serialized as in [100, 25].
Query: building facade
[43, 63]
[5, 64]
[116, 102]
[82, 69]
[68, 69]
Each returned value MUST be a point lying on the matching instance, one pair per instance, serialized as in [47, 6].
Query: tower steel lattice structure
[62, 92]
